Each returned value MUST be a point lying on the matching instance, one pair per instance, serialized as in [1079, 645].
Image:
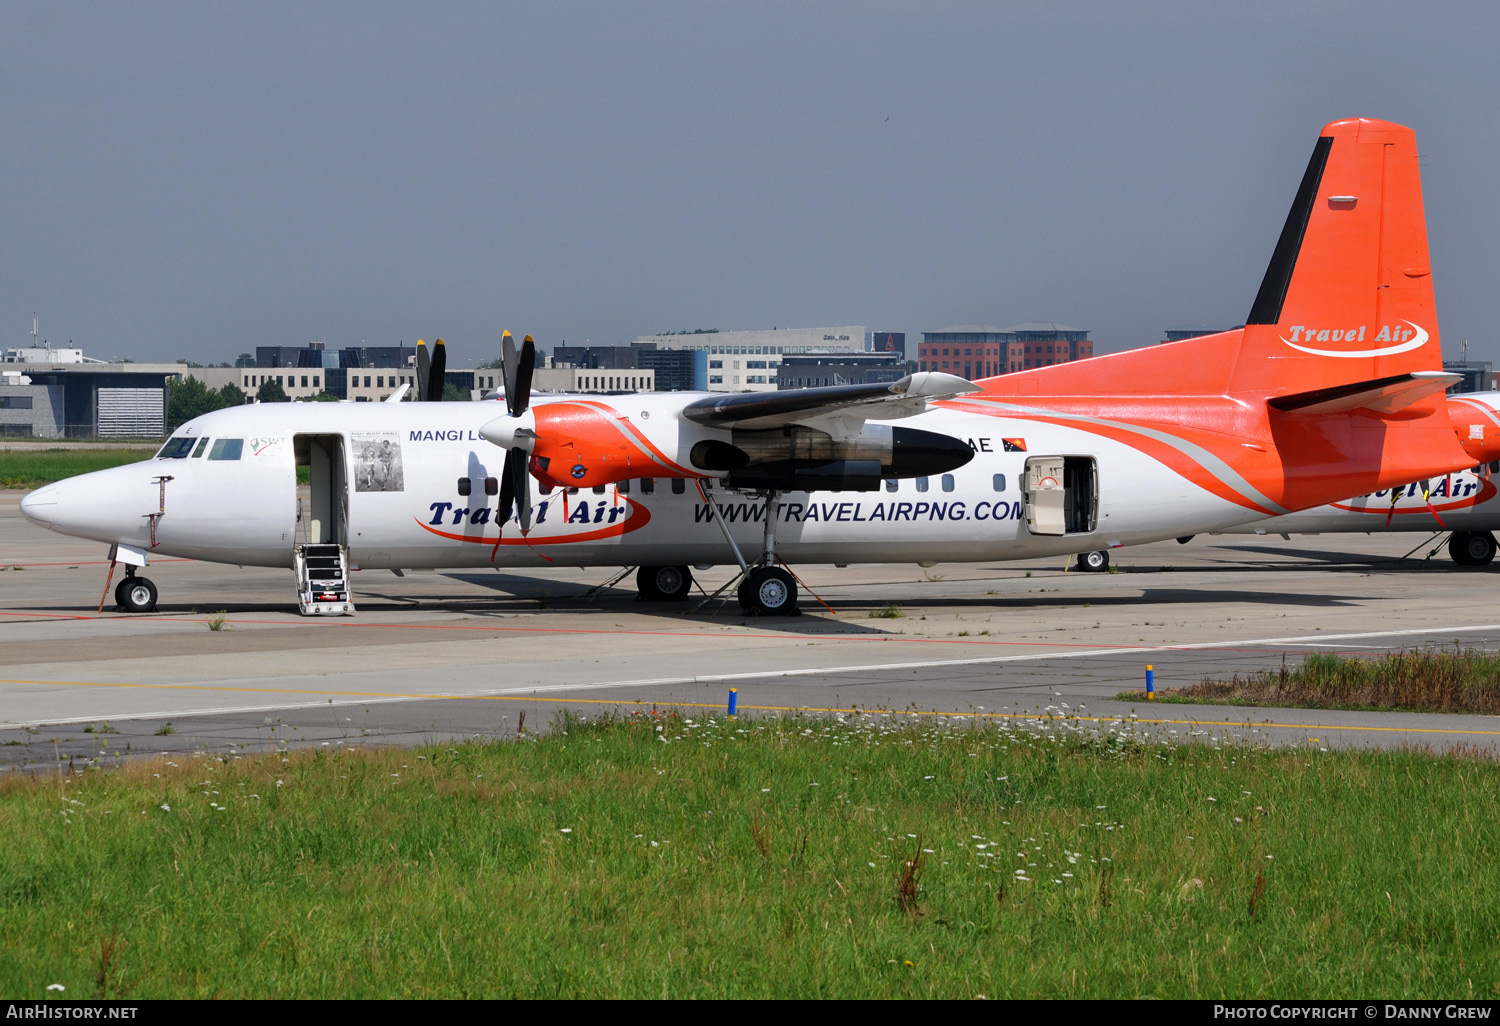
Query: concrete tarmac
[437, 656]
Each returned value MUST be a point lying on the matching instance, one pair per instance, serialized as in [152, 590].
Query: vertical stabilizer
[1348, 293]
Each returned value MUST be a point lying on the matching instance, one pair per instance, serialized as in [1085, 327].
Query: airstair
[323, 580]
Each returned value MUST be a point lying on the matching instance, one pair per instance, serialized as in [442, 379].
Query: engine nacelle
[800, 458]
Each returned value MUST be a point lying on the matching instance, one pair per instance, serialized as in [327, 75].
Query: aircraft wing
[756, 411]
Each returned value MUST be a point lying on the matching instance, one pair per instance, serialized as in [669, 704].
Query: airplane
[1333, 387]
[1464, 503]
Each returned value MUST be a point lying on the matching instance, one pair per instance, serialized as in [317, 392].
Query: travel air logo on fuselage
[1463, 490]
[559, 521]
[1403, 339]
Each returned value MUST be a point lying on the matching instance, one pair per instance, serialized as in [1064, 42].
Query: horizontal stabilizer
[1382, 395]
[764, 410]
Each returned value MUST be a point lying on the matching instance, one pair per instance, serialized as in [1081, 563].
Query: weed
[1426, 680]
[108, 947]
[217, 621]
[908, 882]
[165, 729]
[760, 836]
[1257, 890]
[890, 611]
[1113, 569]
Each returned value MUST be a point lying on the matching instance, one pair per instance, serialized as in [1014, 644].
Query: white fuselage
[396, 498]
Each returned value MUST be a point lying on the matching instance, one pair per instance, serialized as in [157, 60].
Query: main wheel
[1094, 562]
[771, 591]
[137, 594]
[664, 583]
[120, 587]
[1472, 548]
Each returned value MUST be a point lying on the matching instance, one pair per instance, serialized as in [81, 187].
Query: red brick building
[980, 351]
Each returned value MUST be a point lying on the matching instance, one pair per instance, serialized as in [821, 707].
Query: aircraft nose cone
[40, 506]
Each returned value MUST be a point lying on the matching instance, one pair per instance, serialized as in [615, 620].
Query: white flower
[567, 830]
[165, 807]
[56, 986]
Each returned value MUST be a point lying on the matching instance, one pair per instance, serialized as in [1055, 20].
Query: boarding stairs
[323, 580]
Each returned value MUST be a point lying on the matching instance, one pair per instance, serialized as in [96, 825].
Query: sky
[191, 180]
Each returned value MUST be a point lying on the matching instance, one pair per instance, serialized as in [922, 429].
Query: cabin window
[202, 444]
[678, 486]
[947, 482]
[598, 489]
[465, 486]
[999, 482]
[492, 486]
[176, 449]
[921, 484]
[623, 488]
[892, 485]
[648, 485]
[227, 449]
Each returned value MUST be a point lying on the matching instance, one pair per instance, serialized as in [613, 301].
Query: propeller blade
[524, 368]
[522, 489]
[424, 369]
[507, 488]
[439, 366]
[508, 371]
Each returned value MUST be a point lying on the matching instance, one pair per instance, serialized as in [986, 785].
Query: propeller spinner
[516, 431]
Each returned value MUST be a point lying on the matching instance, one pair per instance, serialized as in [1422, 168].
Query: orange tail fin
[1348, 294]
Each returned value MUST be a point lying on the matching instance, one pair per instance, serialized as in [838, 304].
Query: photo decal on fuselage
[377, 462]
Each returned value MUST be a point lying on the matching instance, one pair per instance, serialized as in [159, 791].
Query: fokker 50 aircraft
[1332, 388]
[1464, 503]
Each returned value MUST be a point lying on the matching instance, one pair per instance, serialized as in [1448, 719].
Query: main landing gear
[767, 589]
[1472, 548]
[664, 583]
[1095, 562]
[135, 594]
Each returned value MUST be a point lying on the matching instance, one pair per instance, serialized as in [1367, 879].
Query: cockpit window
[202, 444]
[227, 449]
[176, 449]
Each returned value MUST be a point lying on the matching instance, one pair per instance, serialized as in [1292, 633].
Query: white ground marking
[553, 689]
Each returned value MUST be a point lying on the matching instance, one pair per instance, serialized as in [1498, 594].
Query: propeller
[516, 431]
[435, 379]
[424, 368]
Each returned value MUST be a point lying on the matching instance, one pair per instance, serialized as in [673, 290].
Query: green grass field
[1456, 680]
[32, 468]
[651, 857]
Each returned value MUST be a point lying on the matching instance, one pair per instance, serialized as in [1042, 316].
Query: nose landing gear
[135, 594]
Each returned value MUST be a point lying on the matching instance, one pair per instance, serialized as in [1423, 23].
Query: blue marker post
[734, 697]
[1150, 683]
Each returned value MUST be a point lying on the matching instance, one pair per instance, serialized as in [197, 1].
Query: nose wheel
[135, 594]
